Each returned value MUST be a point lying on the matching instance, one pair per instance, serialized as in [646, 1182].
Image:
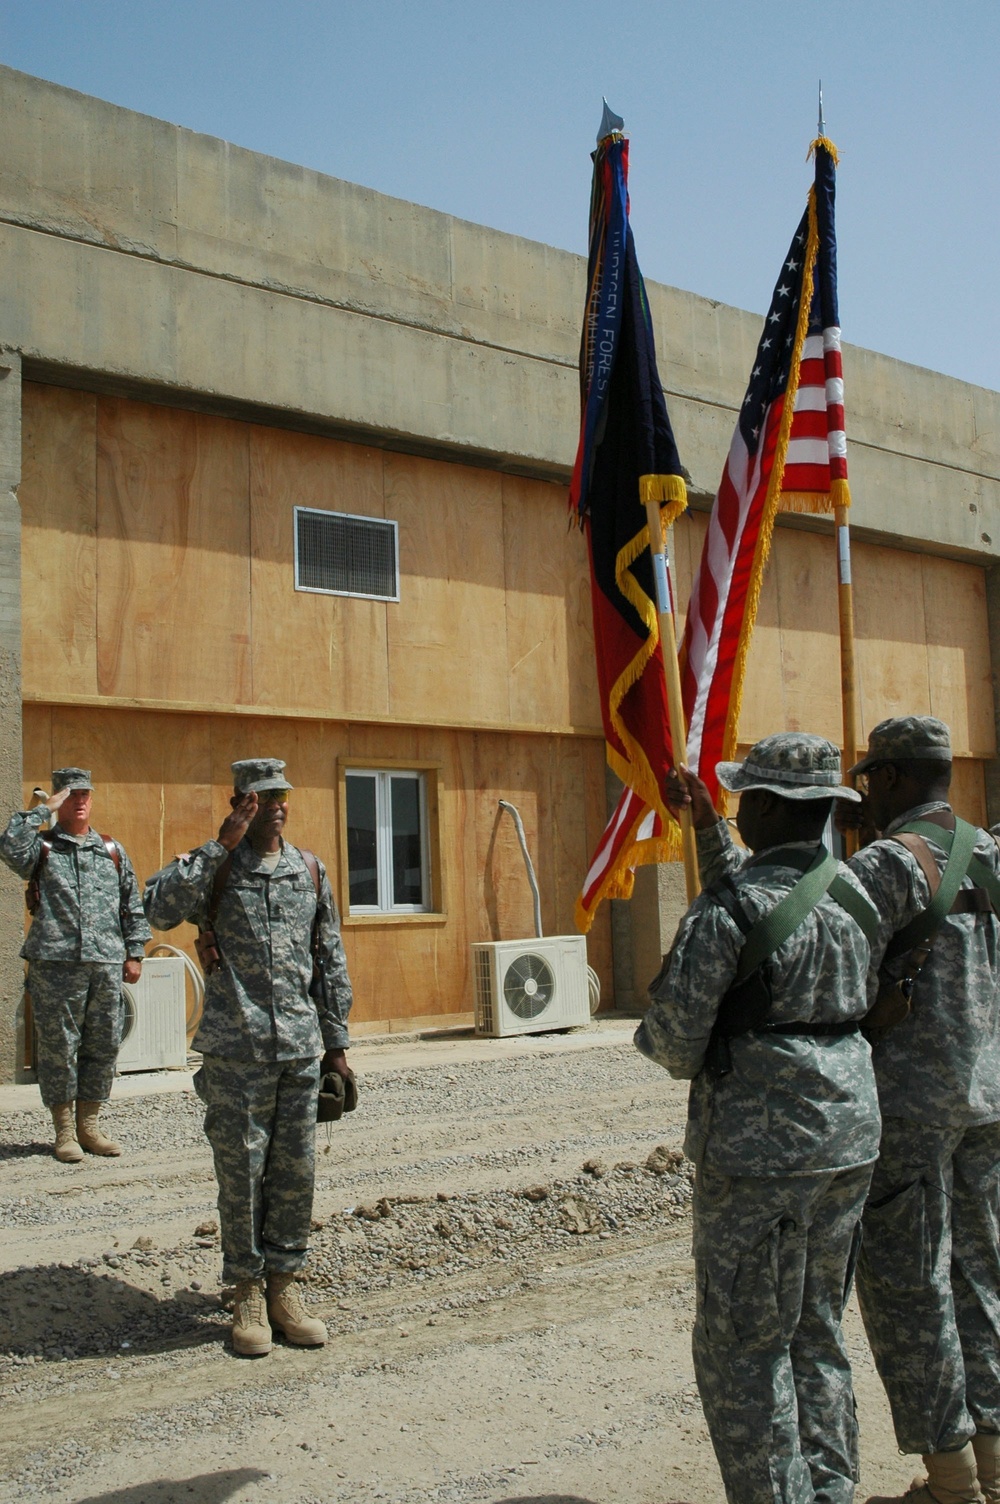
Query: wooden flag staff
[672, 675]
[845, 607]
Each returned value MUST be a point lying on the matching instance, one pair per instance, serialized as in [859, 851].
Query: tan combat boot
[286, 1312]
[951, 1479]
[66, 1146]
[986, 1445]
[251, 1333]
[87, 1131]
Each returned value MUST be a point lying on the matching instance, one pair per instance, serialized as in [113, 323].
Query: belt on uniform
[820, 1028]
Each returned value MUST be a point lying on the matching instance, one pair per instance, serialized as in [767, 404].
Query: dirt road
[503, 1260]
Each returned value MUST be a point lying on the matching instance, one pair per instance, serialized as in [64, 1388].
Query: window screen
[339, 554]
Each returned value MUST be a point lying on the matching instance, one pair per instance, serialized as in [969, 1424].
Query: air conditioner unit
[155, 1034]
[526, 986]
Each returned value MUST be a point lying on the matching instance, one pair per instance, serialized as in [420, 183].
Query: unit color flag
[626, 456]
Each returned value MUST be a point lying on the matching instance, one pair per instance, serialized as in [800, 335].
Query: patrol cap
[71, 778]
[921, 737]
[254, 774]
[793, 764]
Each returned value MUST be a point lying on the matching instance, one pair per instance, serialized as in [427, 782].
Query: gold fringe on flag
[620, 880]
[669, 490]
[823, 141]
[840, 493]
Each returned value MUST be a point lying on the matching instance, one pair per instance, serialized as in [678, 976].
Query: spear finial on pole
[610, 122]
[821, 127]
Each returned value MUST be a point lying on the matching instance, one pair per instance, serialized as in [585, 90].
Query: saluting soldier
[929, 1272]
[88, 934]
[266, 914]
[759, 1004]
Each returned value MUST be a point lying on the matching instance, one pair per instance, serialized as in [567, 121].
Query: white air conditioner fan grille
[528, 985]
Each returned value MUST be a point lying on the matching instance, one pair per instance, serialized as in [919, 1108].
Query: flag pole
[672, 675]
[845, 606]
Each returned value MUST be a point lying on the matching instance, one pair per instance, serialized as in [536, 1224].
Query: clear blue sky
[489, 112]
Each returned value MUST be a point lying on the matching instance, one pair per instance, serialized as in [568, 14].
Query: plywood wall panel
[956, 632]
[448, 639]
[36, 736]
[58, 498]
[805, 570]
[968, 790]
[550, 639]
[325, 652]
[173, 603]
[889, 620]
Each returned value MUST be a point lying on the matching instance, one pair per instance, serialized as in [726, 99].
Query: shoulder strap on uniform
[313, 865]
[111, 847]
[775, 927]
[218, 888]
[858, 905]
[726, 894]
[763, 936]
[959, 844]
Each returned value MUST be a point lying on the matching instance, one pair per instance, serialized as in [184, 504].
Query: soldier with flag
[758, 1005]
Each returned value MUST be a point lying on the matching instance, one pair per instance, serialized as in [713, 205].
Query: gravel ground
[501, 1252]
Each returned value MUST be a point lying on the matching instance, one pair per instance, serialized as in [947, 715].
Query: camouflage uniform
[261, 1035]
[783, 1148]
[929, 1272]
[88, 922]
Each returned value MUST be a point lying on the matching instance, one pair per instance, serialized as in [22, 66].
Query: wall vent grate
[340, 554]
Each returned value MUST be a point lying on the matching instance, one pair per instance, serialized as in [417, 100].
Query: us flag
[788, 452]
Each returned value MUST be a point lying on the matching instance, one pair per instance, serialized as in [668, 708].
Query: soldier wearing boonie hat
[929, 1272]
[265, 912]
[783, 1120]
[88, 934]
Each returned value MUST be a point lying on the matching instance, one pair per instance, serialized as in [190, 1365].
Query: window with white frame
[388, 851]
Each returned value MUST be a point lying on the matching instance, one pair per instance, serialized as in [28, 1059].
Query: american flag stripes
[788, 452]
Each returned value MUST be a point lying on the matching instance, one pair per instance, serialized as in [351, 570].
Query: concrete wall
[151, 254]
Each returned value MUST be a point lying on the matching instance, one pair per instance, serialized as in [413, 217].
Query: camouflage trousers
[929, 1281]
[261, 1124]
[774, 1257]
[77, 1011]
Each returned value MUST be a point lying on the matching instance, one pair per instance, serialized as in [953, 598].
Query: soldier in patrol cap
[783, 1121]
[929, 1272]
[267, 910]
[87, 935]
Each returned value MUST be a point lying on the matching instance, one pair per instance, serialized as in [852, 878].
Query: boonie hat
[254, 774]
[793, 764]
[71, 778]
[922, 737]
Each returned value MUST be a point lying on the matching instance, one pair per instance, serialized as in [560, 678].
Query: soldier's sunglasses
[273, 796]
[873, 767]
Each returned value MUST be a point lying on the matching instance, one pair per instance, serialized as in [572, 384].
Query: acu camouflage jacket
[89, 910]
[257, 1003]
[794, 1104]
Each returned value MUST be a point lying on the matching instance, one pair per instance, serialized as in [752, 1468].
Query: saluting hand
[234, 827]
[55, 801]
